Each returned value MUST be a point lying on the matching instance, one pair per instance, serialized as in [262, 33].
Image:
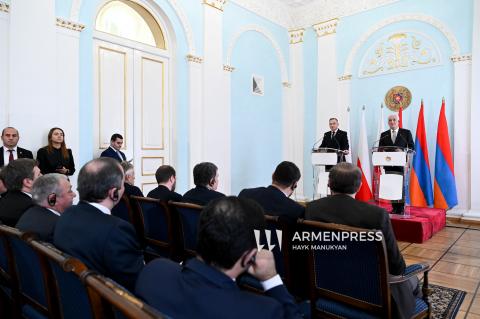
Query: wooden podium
[322, 157]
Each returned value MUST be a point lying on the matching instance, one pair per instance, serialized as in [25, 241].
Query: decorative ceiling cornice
[194, 58]
[302, 16]
[4, 7]
[326, 28]
[461, 58]
[217, 4]
[296, 36]
[75, 26]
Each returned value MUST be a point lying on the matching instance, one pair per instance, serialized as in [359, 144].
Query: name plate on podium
[389, 158]
[324, 158]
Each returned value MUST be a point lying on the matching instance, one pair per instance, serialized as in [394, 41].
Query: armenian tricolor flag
[445, 190]
[421, 194]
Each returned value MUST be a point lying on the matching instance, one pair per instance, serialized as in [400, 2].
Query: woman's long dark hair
[50, 147]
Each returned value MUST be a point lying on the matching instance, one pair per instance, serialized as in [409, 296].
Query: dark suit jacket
[12, 207]
[342, 209]
[274, 202]
[201, 195]
[163, 193]
[404, 139]
[48, 163]
[103, 242]
[39, 220]
[132, 190]
[110, 152]
[21, 153]
[197, 290]
[339, 141]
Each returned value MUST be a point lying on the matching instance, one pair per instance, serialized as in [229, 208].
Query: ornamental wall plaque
[396, 97]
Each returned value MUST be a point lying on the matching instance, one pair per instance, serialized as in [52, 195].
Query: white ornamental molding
[70, 25]
[77, 4]
[217, 4]
[4, 7]
[326, 28]
[266, 34]
[272, 10]
[287, 84]
[194, 59]
[228, 68]
[402, 17]
[345, 77]
[461, 58]
[296, 36]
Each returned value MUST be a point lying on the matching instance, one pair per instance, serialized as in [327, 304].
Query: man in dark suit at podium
[396, 139]
[337, 139]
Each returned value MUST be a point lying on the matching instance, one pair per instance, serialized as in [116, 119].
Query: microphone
[381, 138]
[319, 140]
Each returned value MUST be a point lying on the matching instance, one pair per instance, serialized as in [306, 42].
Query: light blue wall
[310, 82]
[236, 17]
[62, 8]
[87, 16]
[256, 120]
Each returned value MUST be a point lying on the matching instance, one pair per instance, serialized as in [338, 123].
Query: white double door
[131, 98]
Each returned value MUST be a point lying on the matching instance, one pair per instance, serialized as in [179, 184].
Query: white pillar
[474, 116]
[461, 129]
[327, 74]
[4, 45]
[67, 83]
[32, 76]
[216, 117]
[297, 105]
[195, 141]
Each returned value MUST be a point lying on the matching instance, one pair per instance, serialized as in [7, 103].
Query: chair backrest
[278, 227]
[154, 224]
[72, 295]
[124, 210]
[187, 216]
[347, 265]
[31, 275]
[114, 299]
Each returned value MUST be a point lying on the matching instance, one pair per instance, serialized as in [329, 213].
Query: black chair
[154, 226]
[72, 295]
[124, 210]
[113, 299]
[186, 216]
[31, 276]
[349, 278]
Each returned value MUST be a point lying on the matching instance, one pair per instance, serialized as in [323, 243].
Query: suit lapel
[1, 157]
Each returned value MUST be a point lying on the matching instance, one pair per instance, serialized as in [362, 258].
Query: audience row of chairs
[40, 281]
[347, 282]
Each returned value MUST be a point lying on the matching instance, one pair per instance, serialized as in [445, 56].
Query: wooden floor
[454, 258]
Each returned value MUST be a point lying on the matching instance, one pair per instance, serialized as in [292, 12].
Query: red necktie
[10, 157]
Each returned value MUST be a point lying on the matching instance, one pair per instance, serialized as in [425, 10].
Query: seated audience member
[167, 180]
[275, 198]
[113, 151]
[3, 188]
[52, 194]
[204, 287]
[10, 151]
[19, 176]
[130, 188]
[341, 208]
[205, 178]
[87, 231]
[56, 157]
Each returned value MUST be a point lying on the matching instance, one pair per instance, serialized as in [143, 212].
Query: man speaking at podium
[401, 139]
[337, 139]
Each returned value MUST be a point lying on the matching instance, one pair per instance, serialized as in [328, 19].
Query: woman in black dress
[55, 157]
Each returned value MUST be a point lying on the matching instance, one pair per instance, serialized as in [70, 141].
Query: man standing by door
[113, 151]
